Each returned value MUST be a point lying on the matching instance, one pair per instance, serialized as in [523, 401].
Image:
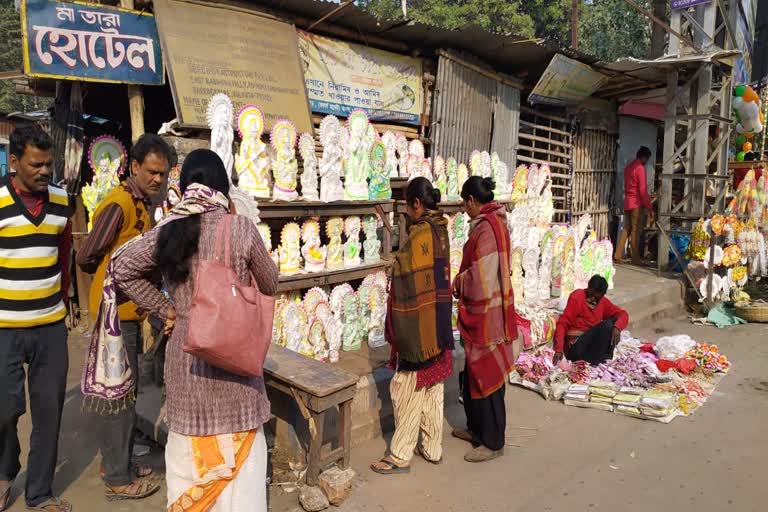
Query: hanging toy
[747, 109]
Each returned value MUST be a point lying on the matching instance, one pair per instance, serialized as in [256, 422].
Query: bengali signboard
[341, 77]
[252, 58]
[92, 43]
[566, 82]
[684, 4]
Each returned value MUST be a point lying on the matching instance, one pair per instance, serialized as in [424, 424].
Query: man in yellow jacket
[123, 215]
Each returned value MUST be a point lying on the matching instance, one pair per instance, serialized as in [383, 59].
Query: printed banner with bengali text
[90, 42]
[341, 77]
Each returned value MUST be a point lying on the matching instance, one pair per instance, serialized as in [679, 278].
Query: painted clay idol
[220, 112]
[289, 251]
[390, 144]
[476, 163]
[284, 165]
[485, 165]
[309, 174]
[252, 162]
[331, 165]
[351, 333]
[452, 177]
[356, 166]
[401, 144]
[107, 158]
[313, 251]
[441, 179]
[352, 245]
[377, 303]
[463, 174]
[371, 245]
[415, 159]
[501, 177]
[379, 187]
[333, 229]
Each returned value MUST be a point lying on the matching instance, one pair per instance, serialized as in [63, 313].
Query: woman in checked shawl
[418, 327]
[486, 320]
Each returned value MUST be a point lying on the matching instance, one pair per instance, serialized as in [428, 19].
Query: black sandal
[394, 469]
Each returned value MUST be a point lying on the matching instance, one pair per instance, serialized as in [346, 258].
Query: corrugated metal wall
[506, 122]
[463, 111]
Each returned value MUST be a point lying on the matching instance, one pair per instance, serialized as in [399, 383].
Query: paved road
[574, 460]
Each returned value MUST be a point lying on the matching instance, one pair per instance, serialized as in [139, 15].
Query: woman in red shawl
[486, 321]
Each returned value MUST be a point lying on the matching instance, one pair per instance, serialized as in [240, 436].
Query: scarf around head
[419, 314]
[106, 384]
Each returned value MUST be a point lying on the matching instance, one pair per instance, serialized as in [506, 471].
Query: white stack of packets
[636, 402]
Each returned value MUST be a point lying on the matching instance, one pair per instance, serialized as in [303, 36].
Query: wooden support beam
[135, 96]
[334, 12]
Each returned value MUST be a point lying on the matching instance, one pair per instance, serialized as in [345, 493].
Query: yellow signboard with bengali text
[342, 77]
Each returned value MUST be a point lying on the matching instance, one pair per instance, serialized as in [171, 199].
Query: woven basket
[755, 312]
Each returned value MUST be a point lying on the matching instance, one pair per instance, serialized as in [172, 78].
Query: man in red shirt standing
[591, 325]
[636, 199]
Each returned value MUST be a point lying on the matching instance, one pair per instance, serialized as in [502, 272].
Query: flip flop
[393, 468]
[419, 450]
[62, 506]
[137, 490]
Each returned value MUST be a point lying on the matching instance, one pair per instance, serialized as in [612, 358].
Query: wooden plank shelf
[289, 209]
[329, 277]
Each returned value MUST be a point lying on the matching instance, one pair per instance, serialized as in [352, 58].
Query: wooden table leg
[315, 448]
[345, 431]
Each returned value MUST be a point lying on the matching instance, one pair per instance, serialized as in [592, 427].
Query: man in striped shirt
[35, 243]
[122, 216]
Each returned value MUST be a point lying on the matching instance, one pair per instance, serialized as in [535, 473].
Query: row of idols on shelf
[301, 248]
[321, 324]
[366, 159]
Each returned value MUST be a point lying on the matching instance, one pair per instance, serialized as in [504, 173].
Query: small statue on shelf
[377, 302]
[401, 144]
[356, 166]
[452, 180]
[334, 227]
[352, 245]
[313, 251]
[379, 186]
[331, 165]
[266, 237]
[317, 339]
[441, 179]
[289, 251]
[520, 184]
[351, 333]
[364, 312]
[309, 175]
[476, 163]
[426, 169]
[296, 329]
[390, 145]
[284, 165]
[371, 245]
[463, 174]
[220, 112]
[503, 188]
[485, 165]
[252, 162]
[415, 159]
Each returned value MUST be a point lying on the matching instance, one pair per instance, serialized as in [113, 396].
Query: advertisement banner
[341, 77]
[91, 43]
[566, 82]
[250, 57]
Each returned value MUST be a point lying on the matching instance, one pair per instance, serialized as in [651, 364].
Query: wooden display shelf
[329, 277]
[289, 209]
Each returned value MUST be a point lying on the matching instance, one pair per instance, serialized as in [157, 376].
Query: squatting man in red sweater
[591, 325]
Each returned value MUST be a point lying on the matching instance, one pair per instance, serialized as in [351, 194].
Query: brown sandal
[52, 505]
[138, 489]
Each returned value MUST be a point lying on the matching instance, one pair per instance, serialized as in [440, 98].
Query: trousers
[486, 417]
[633, 229]
[416, 411]
[594, 346]
[119, 430]
[44, 350]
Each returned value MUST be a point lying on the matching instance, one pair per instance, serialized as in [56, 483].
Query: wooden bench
[316, 387]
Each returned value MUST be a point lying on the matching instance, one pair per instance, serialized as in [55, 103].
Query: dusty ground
[568, 459]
